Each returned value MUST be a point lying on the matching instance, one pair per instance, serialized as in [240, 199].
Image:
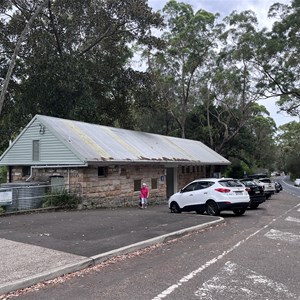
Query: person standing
[144, 195]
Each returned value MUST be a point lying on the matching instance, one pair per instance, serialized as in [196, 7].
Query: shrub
[62, 199]
[3, 174]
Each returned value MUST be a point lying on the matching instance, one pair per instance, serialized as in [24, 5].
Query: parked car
[212, 195]
[278, 186]
[275, 174]
[297, 182]
[268, 185]
[258, 175]
[255, 191]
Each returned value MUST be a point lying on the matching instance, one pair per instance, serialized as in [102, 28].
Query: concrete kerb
[51, 274]
[96, 259]
[146, 243]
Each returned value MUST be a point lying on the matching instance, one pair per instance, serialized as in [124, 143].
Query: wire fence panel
[28, 197]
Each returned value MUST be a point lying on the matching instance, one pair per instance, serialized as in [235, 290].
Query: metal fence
[21, 197]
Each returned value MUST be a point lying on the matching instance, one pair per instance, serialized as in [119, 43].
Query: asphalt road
[255, 256]
[90, 232]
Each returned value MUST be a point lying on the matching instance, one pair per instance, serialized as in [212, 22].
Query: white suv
[268, 185]
[212, 195]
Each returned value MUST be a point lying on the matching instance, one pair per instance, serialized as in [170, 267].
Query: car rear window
[248, 182]
[265, 180]
[230, 183]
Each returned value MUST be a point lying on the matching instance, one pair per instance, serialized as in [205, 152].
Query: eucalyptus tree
[279, 57]
[228, 90]
[253, 145]
[288, 141]
[189, 39]
[229, 117]
[263, 128]
[16, 51]
[74, 61]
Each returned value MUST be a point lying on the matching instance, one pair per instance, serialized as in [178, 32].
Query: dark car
[278, 186]
[255, 191]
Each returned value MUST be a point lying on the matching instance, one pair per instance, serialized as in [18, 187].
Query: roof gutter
[162, 162]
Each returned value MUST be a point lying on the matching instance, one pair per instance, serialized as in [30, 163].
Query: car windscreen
[230, 183]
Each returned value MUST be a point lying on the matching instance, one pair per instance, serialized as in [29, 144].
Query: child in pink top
[144, 195]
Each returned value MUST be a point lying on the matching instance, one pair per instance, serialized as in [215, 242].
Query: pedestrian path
[23, 265]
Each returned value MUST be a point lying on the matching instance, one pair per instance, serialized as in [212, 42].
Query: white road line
[191, 275]
[283, 236]
[241, 283]
[291, 219]
[298, 209]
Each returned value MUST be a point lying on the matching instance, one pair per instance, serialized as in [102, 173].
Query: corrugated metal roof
[97, 143]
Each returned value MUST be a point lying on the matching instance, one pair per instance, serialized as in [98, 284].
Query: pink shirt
[144, 192]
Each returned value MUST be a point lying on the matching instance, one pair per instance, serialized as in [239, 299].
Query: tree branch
[106, 34]
[17, 48]
[59, 49]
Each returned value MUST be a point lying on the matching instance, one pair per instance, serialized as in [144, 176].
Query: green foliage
[74, 62]
[238, 169]
[3, 174]
[2, 210]
[279, 57]
[288, 141]
[62, 199]
[188, 42]
[293, 165]
[235, 172]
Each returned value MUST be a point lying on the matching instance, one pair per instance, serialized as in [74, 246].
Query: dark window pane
[137, 185]
[102, 171]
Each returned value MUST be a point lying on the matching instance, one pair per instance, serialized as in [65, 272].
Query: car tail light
[248, 189]
[222, 190]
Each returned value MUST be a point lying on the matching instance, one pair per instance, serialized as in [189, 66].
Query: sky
[224, 8]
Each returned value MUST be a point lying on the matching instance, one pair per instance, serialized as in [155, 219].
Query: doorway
[171, 181]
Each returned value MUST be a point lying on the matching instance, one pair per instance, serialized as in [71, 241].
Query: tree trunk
[16, 51]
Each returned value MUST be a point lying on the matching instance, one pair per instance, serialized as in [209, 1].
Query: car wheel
[254, 205]
[239, 212]
[200, 211]
[174, 207]
[212, 208]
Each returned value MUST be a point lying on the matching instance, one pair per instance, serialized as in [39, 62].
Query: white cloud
[279, 117]
[224, 8]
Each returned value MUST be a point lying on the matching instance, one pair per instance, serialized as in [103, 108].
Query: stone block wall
[114, 185]
[187, 174]
[121, 184]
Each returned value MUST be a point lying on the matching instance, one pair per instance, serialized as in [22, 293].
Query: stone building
[106, 164]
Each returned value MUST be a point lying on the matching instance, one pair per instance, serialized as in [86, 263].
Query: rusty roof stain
[97, 143]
